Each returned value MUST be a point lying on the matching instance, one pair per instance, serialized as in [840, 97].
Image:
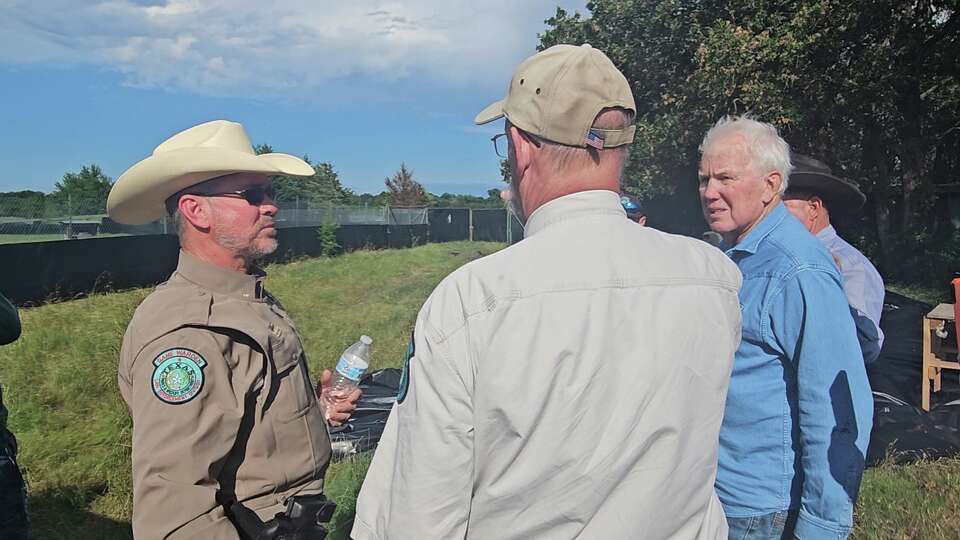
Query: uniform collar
[827, 234]
[575, 205]
[221, 280]
[767, 225]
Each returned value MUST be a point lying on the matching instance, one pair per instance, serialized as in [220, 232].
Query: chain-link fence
[34, 218]
[37, 219]
[302, 215]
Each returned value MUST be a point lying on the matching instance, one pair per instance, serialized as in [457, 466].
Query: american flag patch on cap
[595, 139]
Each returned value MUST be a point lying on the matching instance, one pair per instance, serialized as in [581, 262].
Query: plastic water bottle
[352, 365]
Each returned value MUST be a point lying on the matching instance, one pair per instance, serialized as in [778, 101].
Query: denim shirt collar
[575, 205]
[767, 225]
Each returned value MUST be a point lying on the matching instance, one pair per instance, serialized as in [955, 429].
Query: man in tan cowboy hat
[813, 194]
[570, 386]
[229, 440]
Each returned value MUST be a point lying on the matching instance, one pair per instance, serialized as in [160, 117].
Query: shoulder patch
[405, 375]
[177, 375]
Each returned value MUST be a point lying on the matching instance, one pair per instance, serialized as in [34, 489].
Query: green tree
[404, 190]
[26, 204]
[84, 192]
[323, 187]
[869, 87]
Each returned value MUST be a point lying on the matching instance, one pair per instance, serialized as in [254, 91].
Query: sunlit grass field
[74, 432]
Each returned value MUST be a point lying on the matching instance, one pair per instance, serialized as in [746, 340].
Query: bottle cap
[366, 340]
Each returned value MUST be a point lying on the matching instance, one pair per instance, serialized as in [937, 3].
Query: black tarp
[362, 432]
[902, 431]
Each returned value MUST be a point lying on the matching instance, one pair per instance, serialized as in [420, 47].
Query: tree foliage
[404, 190]
[323, 187]
[26, 204]
[869, 87]
[83, 192]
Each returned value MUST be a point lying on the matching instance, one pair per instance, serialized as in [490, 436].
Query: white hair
[768, 151]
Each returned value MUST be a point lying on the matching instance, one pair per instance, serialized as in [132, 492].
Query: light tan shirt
[214, 374]
[569, 386]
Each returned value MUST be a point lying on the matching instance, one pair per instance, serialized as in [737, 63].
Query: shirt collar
[827, 234]
[222, 280]
[760, 231]
[575, 205]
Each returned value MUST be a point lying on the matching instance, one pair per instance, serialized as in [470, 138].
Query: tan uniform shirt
[214, 373]
[569, 386]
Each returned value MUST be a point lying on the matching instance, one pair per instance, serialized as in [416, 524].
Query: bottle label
[348, 371]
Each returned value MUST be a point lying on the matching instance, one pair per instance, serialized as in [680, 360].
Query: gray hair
[768, 151]
[179, 224]
[564, 157]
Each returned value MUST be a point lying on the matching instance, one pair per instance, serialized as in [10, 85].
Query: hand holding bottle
[339, 391]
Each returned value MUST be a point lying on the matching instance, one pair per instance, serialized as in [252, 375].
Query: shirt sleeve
[810, 321]
[9, 322]
[183, 434]
[868, 334]
[420, 480]
[865, 293]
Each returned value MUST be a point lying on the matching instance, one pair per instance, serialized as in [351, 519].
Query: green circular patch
[178, 375]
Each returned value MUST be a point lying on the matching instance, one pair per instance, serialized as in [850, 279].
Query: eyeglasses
[253, 195]
[500, 142]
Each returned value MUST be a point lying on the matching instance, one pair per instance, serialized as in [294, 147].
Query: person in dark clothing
[14, 523]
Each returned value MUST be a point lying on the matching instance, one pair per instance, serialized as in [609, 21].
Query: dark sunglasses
[253, 195]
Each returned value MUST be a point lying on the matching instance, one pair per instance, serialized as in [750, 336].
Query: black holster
[303, 519]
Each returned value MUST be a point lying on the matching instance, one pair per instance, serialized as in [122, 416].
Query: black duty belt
[303, 519]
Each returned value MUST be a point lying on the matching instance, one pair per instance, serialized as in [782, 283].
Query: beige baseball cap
[557, 93]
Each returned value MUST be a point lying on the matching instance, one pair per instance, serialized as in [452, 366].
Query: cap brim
[139, 194]
[491, 113]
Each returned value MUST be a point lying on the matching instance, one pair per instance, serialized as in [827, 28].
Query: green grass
[26, 238]
[924, 293]
[60, 385]
[915, 501]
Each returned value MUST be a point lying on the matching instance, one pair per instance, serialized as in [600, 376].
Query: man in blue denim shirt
[799, 408]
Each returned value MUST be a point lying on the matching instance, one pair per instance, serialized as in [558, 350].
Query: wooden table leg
[937, 372]
[925, 386]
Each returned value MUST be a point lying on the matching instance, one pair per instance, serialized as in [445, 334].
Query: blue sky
[364, 85]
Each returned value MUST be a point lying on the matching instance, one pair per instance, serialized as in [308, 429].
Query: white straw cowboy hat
[192, 156]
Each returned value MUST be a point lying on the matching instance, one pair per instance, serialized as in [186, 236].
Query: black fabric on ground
[362, 432]
[900, 427]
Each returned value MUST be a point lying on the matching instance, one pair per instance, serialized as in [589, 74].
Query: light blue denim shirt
[799, 409]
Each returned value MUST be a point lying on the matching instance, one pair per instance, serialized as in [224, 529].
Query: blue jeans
[775, 526]
[14, 523]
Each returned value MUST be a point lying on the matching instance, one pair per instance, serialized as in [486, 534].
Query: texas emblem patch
[178, 375]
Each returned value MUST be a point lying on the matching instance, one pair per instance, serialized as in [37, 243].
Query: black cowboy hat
[813, 176]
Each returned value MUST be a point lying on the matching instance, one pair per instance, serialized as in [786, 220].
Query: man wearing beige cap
[229, 440]
[571, 385]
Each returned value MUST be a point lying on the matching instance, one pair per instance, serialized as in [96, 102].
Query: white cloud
[269, 49]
